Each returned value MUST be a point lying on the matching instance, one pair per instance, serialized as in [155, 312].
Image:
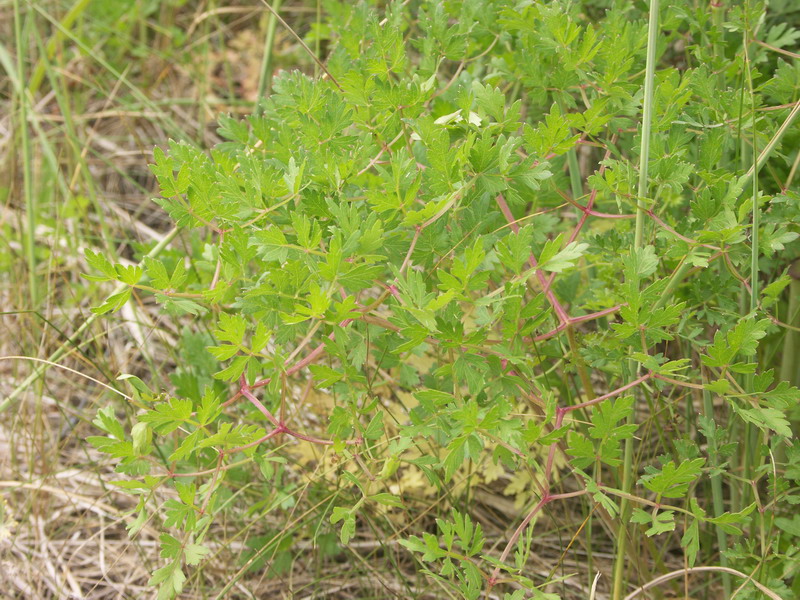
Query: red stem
[580, 319]
[551, 333]
[245, 391]
[280, 426]
[493, 579]
[310, 357]
[547, 497]
[596, 315]
[320, 441]
[551, 454]
[574, 235]
[278, 430]
[587, 211]
[562, 315]
[610, 394]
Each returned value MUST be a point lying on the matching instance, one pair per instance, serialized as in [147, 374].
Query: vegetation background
[90, 87]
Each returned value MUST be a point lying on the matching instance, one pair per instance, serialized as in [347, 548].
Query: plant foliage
[437, 236]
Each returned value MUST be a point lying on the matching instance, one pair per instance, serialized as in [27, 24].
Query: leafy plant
[557, 253]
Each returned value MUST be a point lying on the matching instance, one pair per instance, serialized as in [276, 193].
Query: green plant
[415, 222]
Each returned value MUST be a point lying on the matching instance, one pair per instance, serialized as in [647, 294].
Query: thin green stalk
[572, 163]
[203, 77]
[265, 78]
[647, 108]
[716, 493]
[317, 40]
[718, 12]
[674, 281]
[620, 559]
[789, 354]
[754, 270]
[590, 569]
[27, 179]
[765, 154]
[574, 173]
[750, 432]
[76, 337]
[739, 186]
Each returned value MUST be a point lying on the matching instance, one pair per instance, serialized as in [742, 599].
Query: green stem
[750, 432]
[574, 174]
[716, 492]
[27, 179]
[575, 181]
[265, 79]
[719, 48]
[678, 276]
[317, 45]
[765, 154]
[621, 559]
[788, 355]
[647, 109]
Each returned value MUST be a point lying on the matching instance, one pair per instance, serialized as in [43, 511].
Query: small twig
[610, 394]
[218, 269]
[407, 259]
[677, 382]
[493, 579]
[681, 572]
[580, 319]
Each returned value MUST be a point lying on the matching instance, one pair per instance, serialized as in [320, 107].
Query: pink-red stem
[551, 298]
[547, 497]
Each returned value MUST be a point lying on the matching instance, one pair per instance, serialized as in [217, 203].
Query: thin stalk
[718, 11]
[765, 154]
[204, 77]
[265, 79]
[27, 179]
[788, 355]
[750, 432]
[303, 45]
[754, 271]
[589, 527]
[684, 572]
[620, 559]
[317, 40]
[743, 182]
[77, 336]
[647, 110]
[622, 531]
[572, 164]
[716, 494]
[574, 174]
